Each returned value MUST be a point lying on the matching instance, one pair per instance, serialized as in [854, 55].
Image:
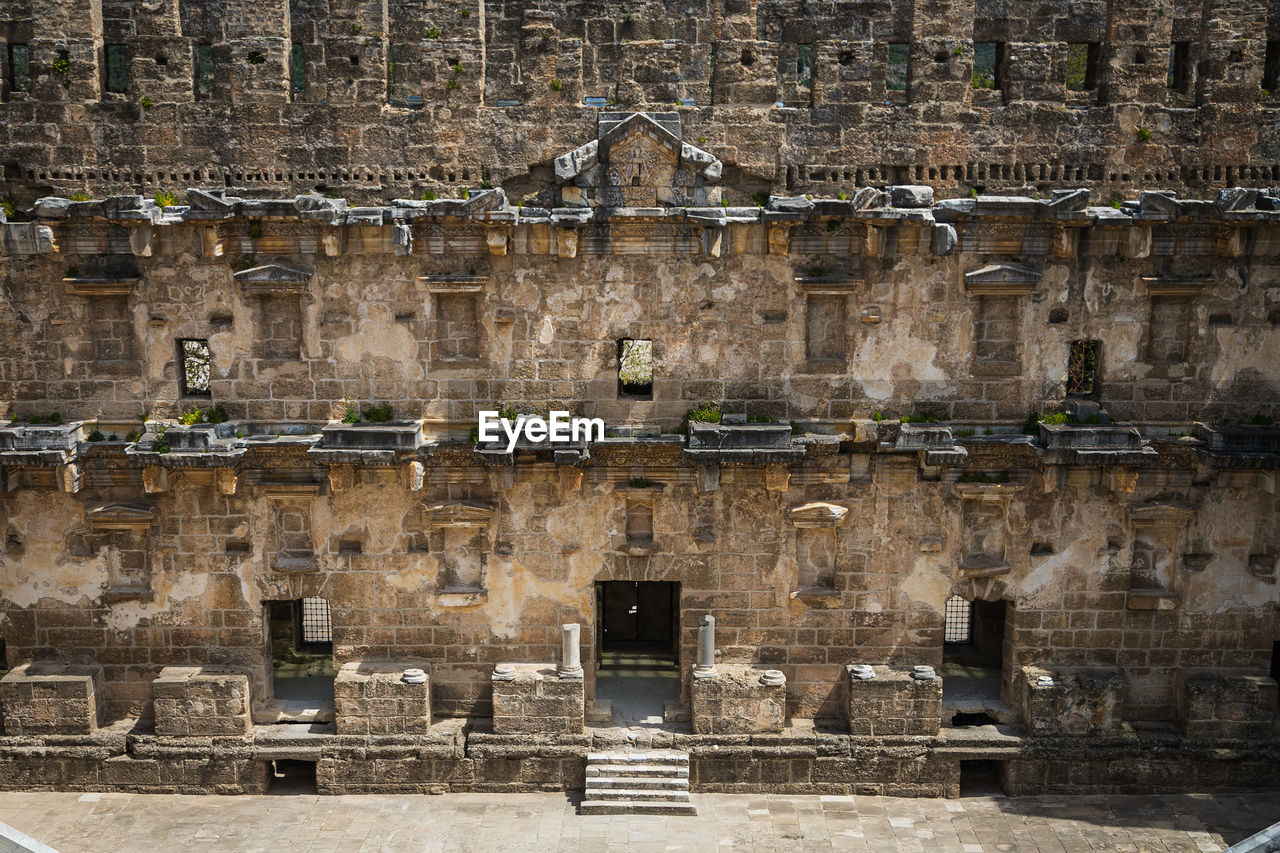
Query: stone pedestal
[894, 703]
[1075, 702]
[1217, 704]
[201, 701]
[52, 699]
[533, 699]
[371, 698]
[738, 700]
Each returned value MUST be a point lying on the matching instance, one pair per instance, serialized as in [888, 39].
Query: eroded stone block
[201, 701]
[738, 700]
[1224, 704]
[372, 698]
[1072, 702]
[52, 699]
[894, 703]
[537, 701]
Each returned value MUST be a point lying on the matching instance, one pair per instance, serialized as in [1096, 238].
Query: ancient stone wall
[409, 98]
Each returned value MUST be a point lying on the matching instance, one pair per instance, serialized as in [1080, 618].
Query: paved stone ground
[130, 823]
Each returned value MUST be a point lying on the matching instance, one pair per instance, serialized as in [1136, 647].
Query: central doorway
[638, 650]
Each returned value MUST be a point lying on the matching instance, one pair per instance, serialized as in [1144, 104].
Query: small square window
[895, 79]
[988, 65]
[195, 360]
[1082, 67]
[635, 369]
[117, 68]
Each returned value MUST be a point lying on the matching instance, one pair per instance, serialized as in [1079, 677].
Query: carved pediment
[119, 516]
[458, 514]
[818, 514]
[272, 278]
[1001, 280]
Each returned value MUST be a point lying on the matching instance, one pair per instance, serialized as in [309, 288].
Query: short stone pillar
[739, 700]
[532, 698]
[1071, 702]
[571, 650]
[382, 698]
[1224, 704]
[706, 666]
[201, 701]
[894, 702]
[52, 699]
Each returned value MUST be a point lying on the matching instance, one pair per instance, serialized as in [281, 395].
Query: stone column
[706, 667]
[571, 651]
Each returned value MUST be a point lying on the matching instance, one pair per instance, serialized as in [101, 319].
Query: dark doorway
[289, 776]
[301, 639]
[973, 656]
[638, 618]
[980, 778]
[637, 675]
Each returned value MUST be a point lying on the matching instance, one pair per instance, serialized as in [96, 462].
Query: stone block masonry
[1225, 704]
[373, 697]
[536, 700]
[52, 699]
[894, 704]
[1089, 702]
[738, 700]
[201, 701]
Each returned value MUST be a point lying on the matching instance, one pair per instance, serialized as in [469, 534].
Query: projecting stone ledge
[741, 442]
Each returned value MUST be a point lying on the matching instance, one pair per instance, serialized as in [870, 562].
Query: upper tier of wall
[378, 99]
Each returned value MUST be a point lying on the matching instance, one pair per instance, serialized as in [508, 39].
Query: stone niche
[460, 535]
[739, 700]
[372, 698]
[1224, 704]
[894, 704]
[201, 701]
[52, 699]
[1156, 573]
[816, 525]
[120, 532]
[532, 698]
[1077, 702]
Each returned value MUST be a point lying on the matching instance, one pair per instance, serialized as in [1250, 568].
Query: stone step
[669, 771]
[649, 756]
[674, 783]
[626, 795]
[636, 807]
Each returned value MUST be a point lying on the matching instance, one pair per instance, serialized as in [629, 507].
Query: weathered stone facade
[880, 362]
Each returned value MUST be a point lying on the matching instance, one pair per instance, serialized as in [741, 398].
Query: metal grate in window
[316, 624]
[1082, 367]
[958, 629]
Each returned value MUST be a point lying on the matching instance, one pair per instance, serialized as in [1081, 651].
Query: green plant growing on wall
[191, 416]
[465, 12]
[433, 32]
[705, 413]
[216, 415]
[255, 229]
[457, 68]
[97, 435]
[164, 198]
[451, 85]
[145, 102]
[378, 414]
[255, 58]
[1143, 134]
[350, 412]
[9, 208]
[555, 84]
[80, 195]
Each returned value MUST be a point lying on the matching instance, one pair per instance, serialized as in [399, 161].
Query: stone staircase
[638, 782]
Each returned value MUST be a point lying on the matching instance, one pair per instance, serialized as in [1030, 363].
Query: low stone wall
[371, 697]
[894, 704]
[737, 700]
[51, 699]
[794, 762]
[195, 701]
[1225, 704]
[533, 699]
[1085, 702]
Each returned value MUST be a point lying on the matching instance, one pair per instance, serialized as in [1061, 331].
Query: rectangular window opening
[635, 369]
[988, 65]
[195, 357]
[958, 627]
[315, 625]
[298, 68]
[1082, 66]
[1180, 66]
[19, 68]
[204, 71]
[117, 68]
[1082, 368]
[804, 65]
[1271, 68]
[895, 79]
